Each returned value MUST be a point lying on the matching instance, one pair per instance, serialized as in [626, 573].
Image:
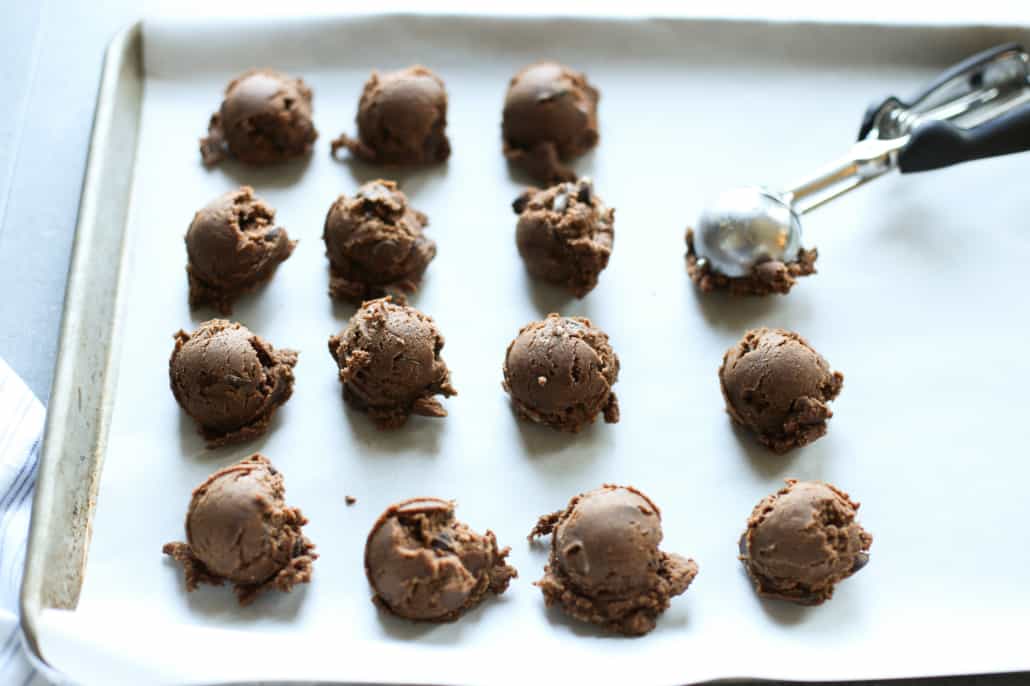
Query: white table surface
[51, 70]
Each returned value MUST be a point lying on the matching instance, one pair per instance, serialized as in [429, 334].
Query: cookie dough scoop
[560, 371]
[549, 118]
[565, 234]
[605, 566]
[425, 565]
[402, 119]
[802, 541]
[390, 365]
[233, 246]
[748, 240]
[239, 529]
[779, 388]
[264, 119]
[229, 380]
[376, 244]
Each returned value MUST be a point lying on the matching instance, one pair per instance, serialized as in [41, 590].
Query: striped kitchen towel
[21, 429]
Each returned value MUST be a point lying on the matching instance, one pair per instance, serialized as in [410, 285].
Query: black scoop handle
[939, 143]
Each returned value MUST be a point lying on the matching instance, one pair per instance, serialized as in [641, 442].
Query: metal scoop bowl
[979, 108]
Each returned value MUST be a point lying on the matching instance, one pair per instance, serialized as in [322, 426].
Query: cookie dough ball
[390, 364]
[765, 278]
[425, 565]
[402, 119]
[239, 529]
[802, 541]
[264, 119]
[375, 244]
[550, 116]
[777, 386]
[229, 380]
[605, 566]
[233, 246]
[560, 372]
[565, 234]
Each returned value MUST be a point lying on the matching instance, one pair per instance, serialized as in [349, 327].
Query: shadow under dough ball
[605, 566]
[802, 541]
[402, 119]
[375, 244]
[390, 364]
[560, 372]
[777, 386]
[239, 529]
[550, 116]
[233, 246]
[565, 234]
[229, 380]
[425, 565]
[265, 118]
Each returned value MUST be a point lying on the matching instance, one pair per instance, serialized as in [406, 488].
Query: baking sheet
[917, 301]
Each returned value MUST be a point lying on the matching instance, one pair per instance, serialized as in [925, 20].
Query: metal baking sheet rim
[79, 412]
[84, 379]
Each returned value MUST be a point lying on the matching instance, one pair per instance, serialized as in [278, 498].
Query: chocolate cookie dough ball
[777, 386]
[560, 372]
[605, 566]
[239, 529]
[229, 380]
[233, 246]
[402, 119]
[390, 364]
[550, 116]
[565, 234]
[375, 244]
[765, 278]
[802, 541]
[425, 565]
[264, 119]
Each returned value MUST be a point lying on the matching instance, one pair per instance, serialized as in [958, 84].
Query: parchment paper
[919, 301]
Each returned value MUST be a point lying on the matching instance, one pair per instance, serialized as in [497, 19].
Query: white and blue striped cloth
[21, 429]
